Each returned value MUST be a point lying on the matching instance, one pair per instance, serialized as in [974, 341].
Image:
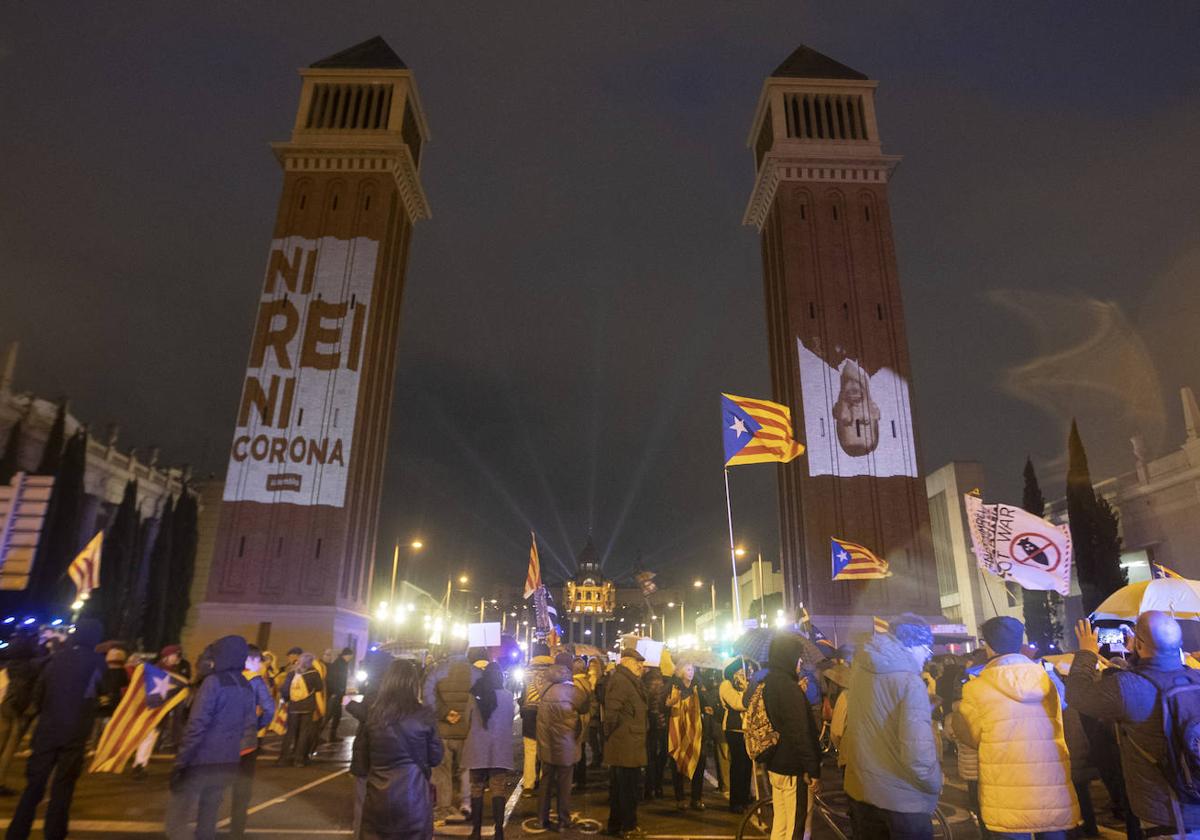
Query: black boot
[476, 818]
[498, 816]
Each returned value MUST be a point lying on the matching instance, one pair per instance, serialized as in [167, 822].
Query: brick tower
[839, 355]
[294, 549]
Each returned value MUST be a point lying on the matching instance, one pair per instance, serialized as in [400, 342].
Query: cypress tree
[1094, 530]
[52, 454]
[183, 566]
[1040, 606]
[60, 539]
[8, 461]
[118, 561]
[156, 589]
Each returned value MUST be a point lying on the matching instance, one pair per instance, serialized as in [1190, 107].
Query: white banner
[1013, 544]
[295, 422]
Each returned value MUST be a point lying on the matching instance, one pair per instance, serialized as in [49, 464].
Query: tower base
[279, 627]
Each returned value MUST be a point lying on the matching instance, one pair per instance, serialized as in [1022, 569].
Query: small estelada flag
[852, 561]
[880, 625]
[152, 692]
[533, 577]
[84, 570]
[1158, 570]
[756, 431]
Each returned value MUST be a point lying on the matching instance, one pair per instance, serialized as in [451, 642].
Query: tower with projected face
[294, 547]
[839, 356]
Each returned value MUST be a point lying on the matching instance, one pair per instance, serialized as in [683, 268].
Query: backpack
[298, 690]
[760, 736]
[1179, 695]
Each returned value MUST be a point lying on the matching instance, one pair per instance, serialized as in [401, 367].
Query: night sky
[585, 288]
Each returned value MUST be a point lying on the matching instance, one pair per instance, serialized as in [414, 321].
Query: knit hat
[912, 630]
[564, 658]
[169, 650]
[1003, 634]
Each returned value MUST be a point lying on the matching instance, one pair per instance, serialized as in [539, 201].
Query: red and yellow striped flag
[756, 431]
[533, 577]
[880, 625]
[683, 734]
[152, 692]
[84, 570]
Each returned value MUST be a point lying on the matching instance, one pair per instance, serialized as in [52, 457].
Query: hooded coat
[891, 755]
[67, 689]
[560, 718]
[1014, 714]
[223, 713]
[798, 751]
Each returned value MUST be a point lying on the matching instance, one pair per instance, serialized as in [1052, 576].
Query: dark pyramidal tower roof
[807, 63]
[373, 54]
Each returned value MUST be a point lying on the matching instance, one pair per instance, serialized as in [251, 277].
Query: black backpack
[1179, 696]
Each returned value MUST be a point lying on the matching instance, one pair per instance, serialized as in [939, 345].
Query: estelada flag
[1158, 570]
[84, 570]
[852, 561]
[756, 431]
[533, 578]
[152, 692]
[880, 625]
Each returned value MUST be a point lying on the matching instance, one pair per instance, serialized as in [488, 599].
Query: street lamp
[463, 580]
[415, 545]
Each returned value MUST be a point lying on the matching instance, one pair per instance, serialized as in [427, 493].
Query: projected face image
[857, 419]
[855, 416]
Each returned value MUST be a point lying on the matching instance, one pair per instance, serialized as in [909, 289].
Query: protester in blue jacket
[222, 723]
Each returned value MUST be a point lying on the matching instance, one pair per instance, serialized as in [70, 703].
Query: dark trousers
[556, 780]
[335, 714]
[202, 786]
[1087, 811]
[973, 804]
[871, 823]
[1039, 835]
[740, 768]
[623, 798]
[696, 782]
[239, 803]
[656, 761]
[65, 763]
[298, 740]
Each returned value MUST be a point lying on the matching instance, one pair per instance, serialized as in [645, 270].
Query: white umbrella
[1177, 596]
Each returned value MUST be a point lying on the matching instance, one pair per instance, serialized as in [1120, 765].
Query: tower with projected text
[839, 355]
[294, 549]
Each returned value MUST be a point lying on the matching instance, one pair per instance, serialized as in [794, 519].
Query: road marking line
[279, 800]
[147, 827]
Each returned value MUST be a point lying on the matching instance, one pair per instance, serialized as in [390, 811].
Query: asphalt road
[317, 801]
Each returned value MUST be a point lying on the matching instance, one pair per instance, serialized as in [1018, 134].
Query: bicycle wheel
[757, 822]
[941, 828]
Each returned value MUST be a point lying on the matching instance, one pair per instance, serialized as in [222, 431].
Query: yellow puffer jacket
[1012, 712]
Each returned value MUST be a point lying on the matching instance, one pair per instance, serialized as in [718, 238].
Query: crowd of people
[435, 741]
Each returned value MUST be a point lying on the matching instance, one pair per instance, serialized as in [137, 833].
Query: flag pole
[737, 606]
